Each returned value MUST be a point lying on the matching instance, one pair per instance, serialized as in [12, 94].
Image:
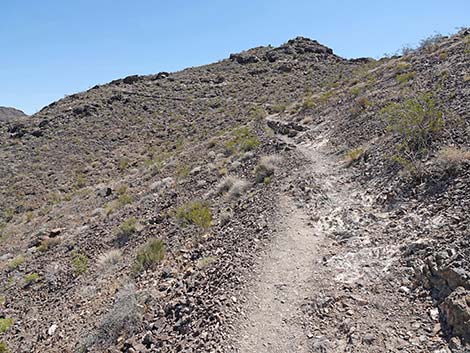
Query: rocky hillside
[132, 214]
[8, 114]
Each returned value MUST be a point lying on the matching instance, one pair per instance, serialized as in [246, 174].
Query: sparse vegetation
[265, 169]
[49, 243]
[308, 102]
[80, 180]
[5, 324]
[32, 278]
[109, 259]
[450, 158]
[257, 113]
[79, 263]
[197, 213]
[416, 122]
[430, 43]
[125, 230]
[182, 171]
[123, 319]
[406, 77]
[354, 155]
[3, 347]
[123, 163]
[150, 254]
[16, 262]
[244, 140]
[206, 261]
[128, 227]
[233, 186]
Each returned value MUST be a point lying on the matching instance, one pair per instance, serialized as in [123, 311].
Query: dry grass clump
[109, 259]
[265, 169]
[234, 187]
[453, 157]
[354, 155]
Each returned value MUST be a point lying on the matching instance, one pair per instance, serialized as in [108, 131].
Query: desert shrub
[406, 77]
[150, 254]
[123, 319]
[243, 140]
[325, 97]
[257, 113]
[80, 180]
[206, 261]
[125, 230]
[238, 188]
[123, 163]
[195, 212]
[233, 186]
[416, 122]
[122, 200]
[31, 278]
[308, 103]
[49, 243]
[452, 157]
[128, 227]
[225, 184]
[355, 91]
[354, 155]
[429, 44]
[3, 347]
[79, 263]
[278, 108]
[182, 171]
[16, 262]
[5, 324]
[265, 168]
[109, 259]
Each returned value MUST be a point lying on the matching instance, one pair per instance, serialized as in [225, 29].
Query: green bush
[79, 263]
[5, 324]
[417, 122]
[16, 262]
[196, 212]
[406, 77]
[151, 253]
[128, 227]
[3, 347]
[31, 278]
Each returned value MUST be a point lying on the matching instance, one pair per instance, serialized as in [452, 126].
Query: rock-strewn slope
[94, 184]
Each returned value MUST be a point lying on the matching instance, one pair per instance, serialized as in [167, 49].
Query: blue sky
[51, 48]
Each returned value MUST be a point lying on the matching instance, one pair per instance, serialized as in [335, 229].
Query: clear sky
[51, 48]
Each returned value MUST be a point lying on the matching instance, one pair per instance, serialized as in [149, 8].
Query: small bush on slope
[417, 122]
[151, 253]
[196, 212]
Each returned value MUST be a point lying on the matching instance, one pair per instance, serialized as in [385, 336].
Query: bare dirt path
[328, 281]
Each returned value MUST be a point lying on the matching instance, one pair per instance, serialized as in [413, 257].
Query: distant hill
[8, 114]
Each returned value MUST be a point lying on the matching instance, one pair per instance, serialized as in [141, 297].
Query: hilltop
[282, 198]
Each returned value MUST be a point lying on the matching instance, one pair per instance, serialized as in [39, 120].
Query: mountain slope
[7, 114]
[93, 185]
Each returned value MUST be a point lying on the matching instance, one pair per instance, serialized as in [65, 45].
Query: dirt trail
[326, 282]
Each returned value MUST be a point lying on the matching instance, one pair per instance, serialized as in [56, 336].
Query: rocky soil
[294, 216]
